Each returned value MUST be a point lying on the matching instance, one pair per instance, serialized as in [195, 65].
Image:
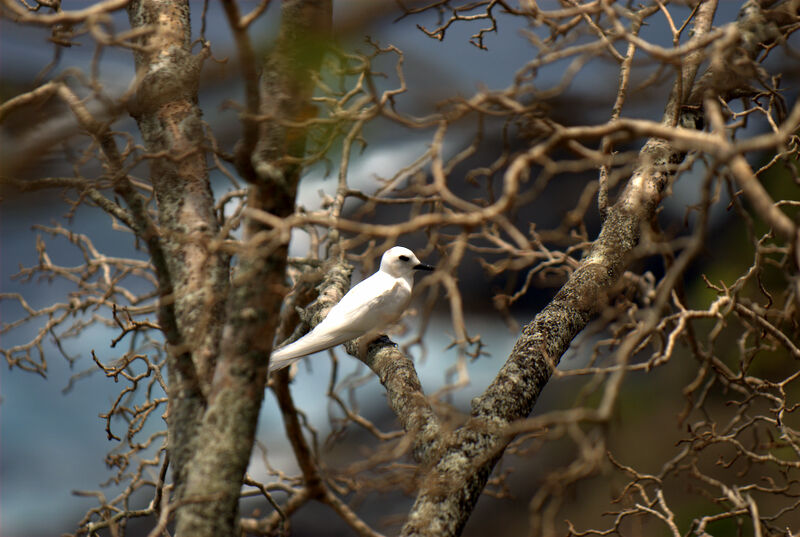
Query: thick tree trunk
[217, 376]
[165, 108]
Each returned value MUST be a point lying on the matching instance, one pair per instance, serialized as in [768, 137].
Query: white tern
[373, 304]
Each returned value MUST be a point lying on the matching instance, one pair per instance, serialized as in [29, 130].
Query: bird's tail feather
[308, 344]
[275, 365]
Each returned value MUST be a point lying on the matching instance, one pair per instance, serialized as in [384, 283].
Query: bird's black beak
[423, 266]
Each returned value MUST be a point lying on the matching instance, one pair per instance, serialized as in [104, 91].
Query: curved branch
[450, 490]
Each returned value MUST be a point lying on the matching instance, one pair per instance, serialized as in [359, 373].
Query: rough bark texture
[166, 111]
[226, 434]
[405, 396]
[450, 490]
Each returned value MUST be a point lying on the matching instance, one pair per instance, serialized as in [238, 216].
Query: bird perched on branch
[371, 305]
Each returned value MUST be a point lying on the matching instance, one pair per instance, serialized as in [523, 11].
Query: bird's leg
[363, 343]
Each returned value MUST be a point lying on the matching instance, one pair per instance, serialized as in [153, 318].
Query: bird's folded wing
[371, 304]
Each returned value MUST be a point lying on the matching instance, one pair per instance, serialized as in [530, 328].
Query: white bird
[374, 303]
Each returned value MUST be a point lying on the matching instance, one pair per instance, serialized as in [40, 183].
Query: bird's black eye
[403, 258]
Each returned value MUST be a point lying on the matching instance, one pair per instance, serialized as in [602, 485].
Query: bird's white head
[399, 262]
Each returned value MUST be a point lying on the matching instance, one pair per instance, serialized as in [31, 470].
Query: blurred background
[52, 440]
